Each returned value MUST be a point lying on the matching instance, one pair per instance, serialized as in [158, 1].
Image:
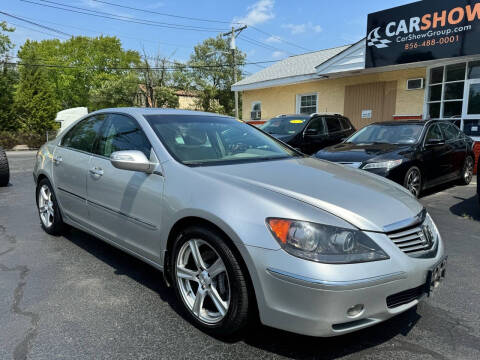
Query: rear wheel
[209, 282]
[48, 209]
[413, 181]
[467, 172]
[4, 169]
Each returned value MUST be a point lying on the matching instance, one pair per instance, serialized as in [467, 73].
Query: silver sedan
[239, 222]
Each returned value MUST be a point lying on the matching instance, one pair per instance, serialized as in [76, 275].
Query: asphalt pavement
[75, 297]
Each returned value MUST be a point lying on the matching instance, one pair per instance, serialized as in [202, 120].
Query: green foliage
[36, 102]
[166, 98]
[211, 80]
[81, 65]
[113, 91]
[8, 79]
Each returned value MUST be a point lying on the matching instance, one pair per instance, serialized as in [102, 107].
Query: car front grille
[414, 239]
[405, 297]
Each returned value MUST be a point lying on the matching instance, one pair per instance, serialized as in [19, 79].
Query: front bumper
[312, 299]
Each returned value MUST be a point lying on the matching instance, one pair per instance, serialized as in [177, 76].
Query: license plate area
[435, 276]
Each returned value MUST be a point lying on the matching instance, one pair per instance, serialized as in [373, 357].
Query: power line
[262, 45]
[185, 66]
[34, 23]
[32, 29]
[166, 14]
[279, 38]
[105, 15]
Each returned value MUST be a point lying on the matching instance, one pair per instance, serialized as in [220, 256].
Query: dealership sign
[424, 30]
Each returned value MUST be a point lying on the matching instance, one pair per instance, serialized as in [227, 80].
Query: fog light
[356, 310]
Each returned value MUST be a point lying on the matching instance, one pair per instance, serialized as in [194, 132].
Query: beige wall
[331, 94]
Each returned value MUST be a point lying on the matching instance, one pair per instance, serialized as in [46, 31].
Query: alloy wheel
[203, 281]
[45, 206]
[414, 182]
[468, 174]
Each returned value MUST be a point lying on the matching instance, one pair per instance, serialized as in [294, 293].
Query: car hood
[348, 152]
[367, 201]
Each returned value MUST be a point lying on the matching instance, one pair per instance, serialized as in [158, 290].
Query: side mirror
[435, 142]
[131, 160]
[311, 132]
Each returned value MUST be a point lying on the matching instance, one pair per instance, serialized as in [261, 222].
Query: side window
[82, 136]
[122, 133]
[333, 124]
[434, 133]
[345, 123]
[318, 125]
[450, 132]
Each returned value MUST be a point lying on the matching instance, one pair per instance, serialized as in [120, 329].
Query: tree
[8, 79]
[212, 74]
[35, 101]
[113, 91]
[80, 65]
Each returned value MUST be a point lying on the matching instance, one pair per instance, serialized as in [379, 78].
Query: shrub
[8, 140]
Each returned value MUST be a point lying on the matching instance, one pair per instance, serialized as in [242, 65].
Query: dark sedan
[415, 154]
[309, 133]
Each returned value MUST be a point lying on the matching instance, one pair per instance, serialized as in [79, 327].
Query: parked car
[478, 179]
[415, 154]
[4, 169]
[237, 222]
[309, 133]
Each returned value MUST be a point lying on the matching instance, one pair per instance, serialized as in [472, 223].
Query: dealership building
[418, 61]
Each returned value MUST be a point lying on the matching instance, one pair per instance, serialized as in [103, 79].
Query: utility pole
[233, 35]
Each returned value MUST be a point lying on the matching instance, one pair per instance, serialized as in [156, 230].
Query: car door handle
[96, 171]
[57, 160]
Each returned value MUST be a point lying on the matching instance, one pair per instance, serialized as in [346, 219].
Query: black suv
[309, 133]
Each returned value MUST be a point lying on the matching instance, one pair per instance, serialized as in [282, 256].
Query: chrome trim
[420, 218]
[336, 285]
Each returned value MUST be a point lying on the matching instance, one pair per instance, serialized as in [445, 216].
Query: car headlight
[390, 164]
[324, 243]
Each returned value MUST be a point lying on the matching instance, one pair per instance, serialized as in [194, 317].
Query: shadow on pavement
[265, 338]
[467, 208]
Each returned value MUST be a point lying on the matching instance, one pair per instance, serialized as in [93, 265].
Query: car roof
[155, 111]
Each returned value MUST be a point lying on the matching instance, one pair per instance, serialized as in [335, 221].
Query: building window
[307, 103]
[256, 113]
[446, 90]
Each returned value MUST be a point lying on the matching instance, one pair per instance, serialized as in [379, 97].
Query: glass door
[471, 107]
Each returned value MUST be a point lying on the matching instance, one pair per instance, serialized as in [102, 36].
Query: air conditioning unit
[415, 84]
[256, 115]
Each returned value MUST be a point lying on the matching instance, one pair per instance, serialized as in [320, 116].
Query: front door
[125, 206]
[314, 136]
[70, 167]
[436, 156]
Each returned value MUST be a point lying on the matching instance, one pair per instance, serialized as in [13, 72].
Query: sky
[276, 28]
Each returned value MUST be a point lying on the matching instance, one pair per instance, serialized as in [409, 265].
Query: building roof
[297, 66]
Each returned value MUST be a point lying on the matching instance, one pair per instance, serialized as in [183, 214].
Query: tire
[48, 210]
[4, 169]
[413, 181]
[227, 286]
[467, 171]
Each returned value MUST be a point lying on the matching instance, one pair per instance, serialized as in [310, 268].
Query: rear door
[457, 146]
[335, 130]
[314, 136]
[125, 206]
[71, 159]
[436, 156]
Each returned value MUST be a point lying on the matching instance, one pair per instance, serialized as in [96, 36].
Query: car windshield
[387, 134]
[284, 125]
[214, 140]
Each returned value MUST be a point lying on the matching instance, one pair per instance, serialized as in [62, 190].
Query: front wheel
[413, 181]
[467, 171]
[209, 282]
[48, 209]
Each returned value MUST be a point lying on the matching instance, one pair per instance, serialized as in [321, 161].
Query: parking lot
[77, 297]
